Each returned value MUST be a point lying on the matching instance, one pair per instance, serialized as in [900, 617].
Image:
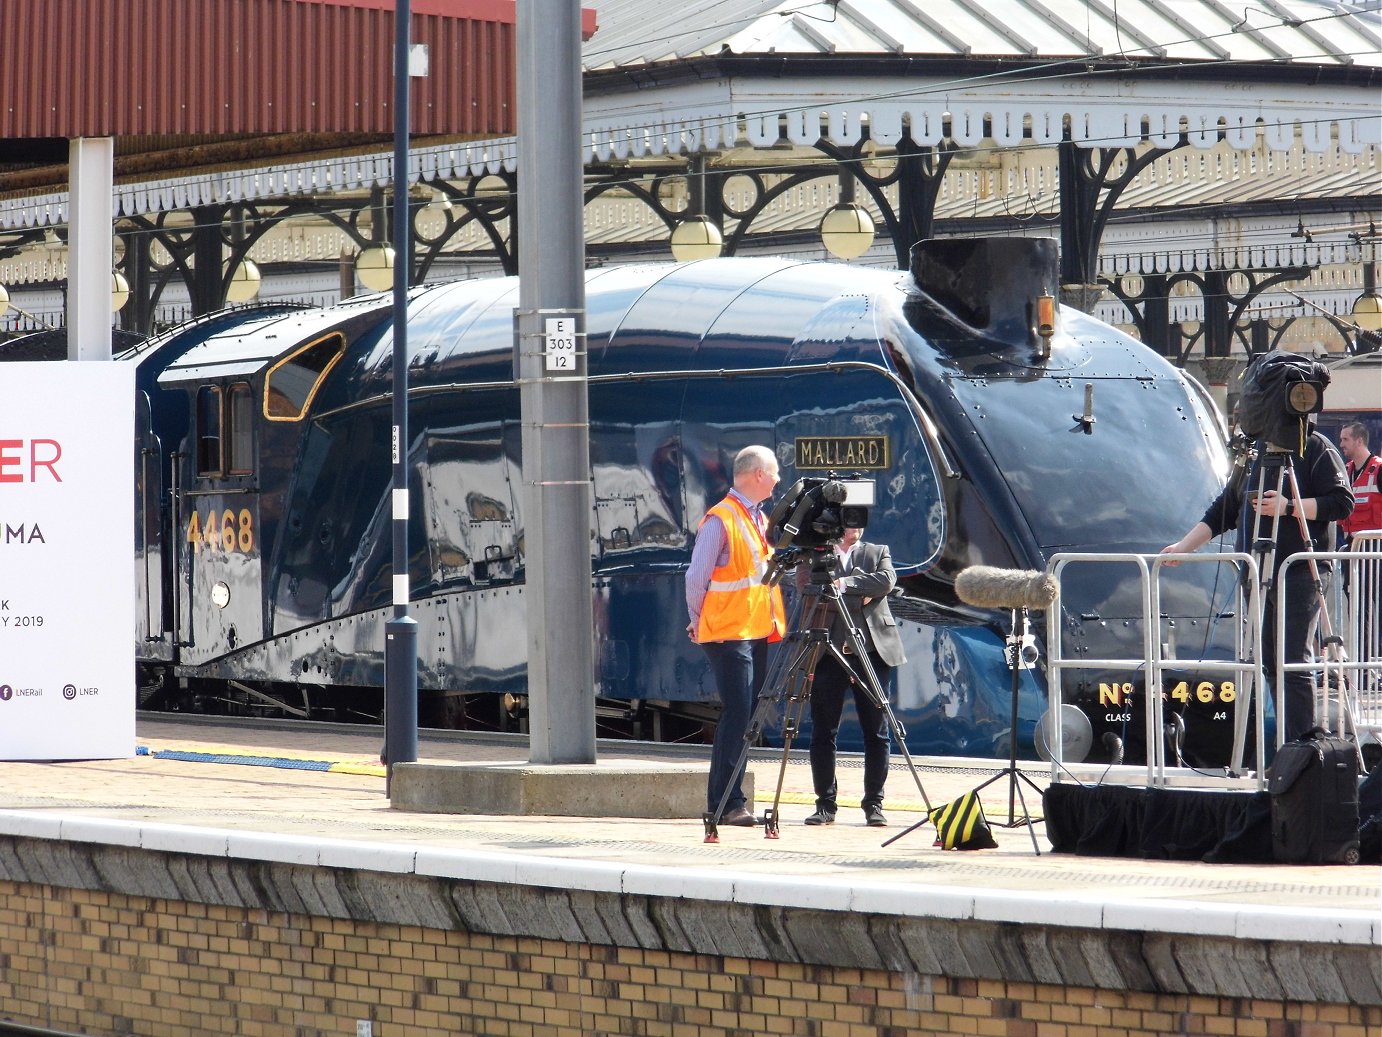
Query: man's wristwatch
[1290, 507]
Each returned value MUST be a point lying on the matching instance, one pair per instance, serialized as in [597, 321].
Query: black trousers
[1300, 601]
[827, 704]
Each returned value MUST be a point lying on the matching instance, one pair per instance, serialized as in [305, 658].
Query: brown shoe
[739, 818]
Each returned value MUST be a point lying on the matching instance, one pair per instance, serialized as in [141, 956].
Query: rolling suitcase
[1313, 783]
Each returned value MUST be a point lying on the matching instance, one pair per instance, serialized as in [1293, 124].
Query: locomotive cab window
[241, 412]
[210, 424]
[293, 381]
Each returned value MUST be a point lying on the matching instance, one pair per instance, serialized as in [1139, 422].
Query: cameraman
[734, 615]
[866, 577]
[1325, 497]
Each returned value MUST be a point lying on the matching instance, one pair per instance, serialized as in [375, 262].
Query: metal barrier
[1363, 627]
[1348, 690]
[1154, 661]
[1246, 664]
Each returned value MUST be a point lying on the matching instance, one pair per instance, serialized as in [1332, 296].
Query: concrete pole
[400, 632]
[551, 362]
[90, 253]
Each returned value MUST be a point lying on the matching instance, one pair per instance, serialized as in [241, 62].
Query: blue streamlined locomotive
[998, 429]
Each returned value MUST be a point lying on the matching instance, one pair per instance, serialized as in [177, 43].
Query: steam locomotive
[997, 427]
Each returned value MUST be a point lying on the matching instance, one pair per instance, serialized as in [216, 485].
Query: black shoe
[739, 817]
[873, 817]
[822, 816]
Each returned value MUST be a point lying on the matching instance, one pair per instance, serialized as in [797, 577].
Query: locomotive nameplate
[854, 452]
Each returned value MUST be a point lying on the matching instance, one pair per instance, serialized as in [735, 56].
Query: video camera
[815, 512]
[812, 515]
[1279, 390]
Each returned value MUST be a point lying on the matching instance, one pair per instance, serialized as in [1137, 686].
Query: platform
[292, 780]
[285, 828]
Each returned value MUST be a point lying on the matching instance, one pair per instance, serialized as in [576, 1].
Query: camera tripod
[1275, 467]
[794, 672]
[1021, 655]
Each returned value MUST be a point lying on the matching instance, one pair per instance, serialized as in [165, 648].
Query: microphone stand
[1018, 646]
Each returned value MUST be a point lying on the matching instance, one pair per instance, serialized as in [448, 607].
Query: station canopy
[1017, 71]
[709, 75]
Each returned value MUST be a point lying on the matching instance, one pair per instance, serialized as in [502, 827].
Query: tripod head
[1273, 468]
[824, 562]
[825, 566]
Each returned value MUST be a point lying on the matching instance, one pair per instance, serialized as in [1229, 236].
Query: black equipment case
[1314, 789]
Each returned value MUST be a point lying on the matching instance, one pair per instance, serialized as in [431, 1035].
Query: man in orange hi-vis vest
[734, 615]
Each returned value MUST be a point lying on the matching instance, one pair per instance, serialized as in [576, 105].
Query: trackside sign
[67, 621]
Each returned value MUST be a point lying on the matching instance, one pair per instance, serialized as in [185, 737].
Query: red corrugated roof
[477, 10]
[72, 68]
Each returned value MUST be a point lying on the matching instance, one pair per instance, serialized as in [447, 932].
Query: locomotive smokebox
[1003, 288]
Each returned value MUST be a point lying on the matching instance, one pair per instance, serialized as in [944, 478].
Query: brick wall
[106, 964]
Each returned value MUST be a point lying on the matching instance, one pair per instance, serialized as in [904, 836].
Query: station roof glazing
[638, 32]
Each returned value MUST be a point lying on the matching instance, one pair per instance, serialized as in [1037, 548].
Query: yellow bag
[961, 825]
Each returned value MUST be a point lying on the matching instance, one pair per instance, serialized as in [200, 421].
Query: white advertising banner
[67, 619]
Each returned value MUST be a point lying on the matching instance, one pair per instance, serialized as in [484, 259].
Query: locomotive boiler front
[1071, 437]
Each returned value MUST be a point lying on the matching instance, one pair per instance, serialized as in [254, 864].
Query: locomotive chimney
[1002, 288]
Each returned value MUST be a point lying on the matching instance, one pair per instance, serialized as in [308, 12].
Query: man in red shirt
[1364, 470]
[1365, 475]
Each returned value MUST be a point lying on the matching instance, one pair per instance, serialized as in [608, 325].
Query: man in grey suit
[866, 577]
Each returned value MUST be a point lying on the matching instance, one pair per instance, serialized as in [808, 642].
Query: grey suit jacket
[871, 576]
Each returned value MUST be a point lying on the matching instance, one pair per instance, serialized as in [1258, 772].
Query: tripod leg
[1252, 706]
[1331, 645]
[907, 831]
[789, 673]
[873, 689]
[1026, 816]
[900, 734]
[797, 699]
[767, 698]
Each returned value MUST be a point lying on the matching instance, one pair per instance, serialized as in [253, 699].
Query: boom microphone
[989, 588]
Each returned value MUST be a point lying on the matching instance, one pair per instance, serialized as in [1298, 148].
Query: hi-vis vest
[1367, 498]
[738, 605]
